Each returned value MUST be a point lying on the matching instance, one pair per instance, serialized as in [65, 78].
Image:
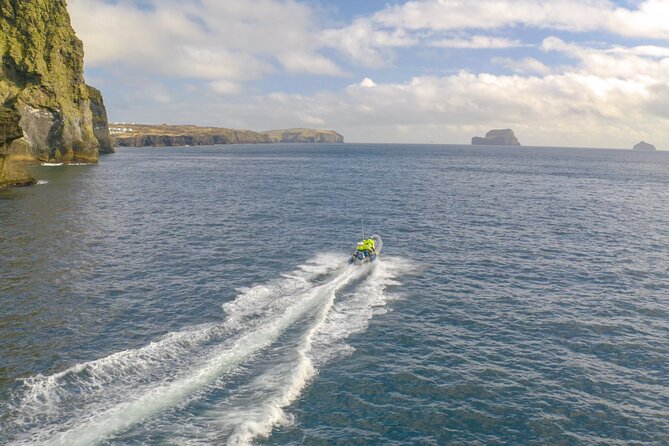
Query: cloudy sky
[568, 73]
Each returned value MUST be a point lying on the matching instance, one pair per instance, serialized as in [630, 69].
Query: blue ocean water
[202, 296]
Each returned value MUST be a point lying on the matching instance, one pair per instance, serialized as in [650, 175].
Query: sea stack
[504, 137]
[644, 147]
[47, 112]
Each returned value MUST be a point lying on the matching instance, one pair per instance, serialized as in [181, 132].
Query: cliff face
[42, 84]
[504, 137]
[100, 122]
[10, 175]
[10, 129]
[183, 140]
[138, 135]
[305, 136]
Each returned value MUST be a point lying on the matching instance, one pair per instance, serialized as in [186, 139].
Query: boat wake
[224, 383]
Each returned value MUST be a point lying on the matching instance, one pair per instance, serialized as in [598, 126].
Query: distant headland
[504, 137]
[142, 135]
[644, 147]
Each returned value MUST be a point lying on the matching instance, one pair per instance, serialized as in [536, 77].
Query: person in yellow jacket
[366, 245]
[369, 243]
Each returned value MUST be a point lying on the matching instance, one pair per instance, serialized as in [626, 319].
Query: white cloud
[225, 87]
[309, 63]
[649, 19]
[644, 50]
[494, 14]
[595, 102]
[582, 105]
[556, 44]
[630, 64]
[527, 65]
[368, 83]
[367, 45]
[235, 40]
[478, 42]
[573, 108]
[371, 41]
[312, 120]
[608, 95]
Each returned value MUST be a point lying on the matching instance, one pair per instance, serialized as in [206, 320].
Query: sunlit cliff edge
[141, 135]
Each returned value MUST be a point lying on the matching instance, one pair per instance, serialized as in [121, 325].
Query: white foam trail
[42, 395]
[271, 412]
[112, 394]
[42, 182]
[159, 398]
[260, 406]
[351, 313]
[294, 322]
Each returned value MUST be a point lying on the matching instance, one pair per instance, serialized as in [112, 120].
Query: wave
[65, 164]
[42, 182]
[238, 375]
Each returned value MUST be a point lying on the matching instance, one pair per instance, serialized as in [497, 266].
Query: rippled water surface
[202, 296]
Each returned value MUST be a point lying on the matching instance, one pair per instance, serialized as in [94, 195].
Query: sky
[587, 73]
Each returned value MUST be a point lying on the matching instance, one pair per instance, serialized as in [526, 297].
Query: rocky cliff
[644, 147]
[139, 135]
[503, 137]
[10, 174]
[305, 136]
[42, 85]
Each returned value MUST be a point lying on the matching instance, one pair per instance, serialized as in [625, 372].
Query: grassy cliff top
[128, 130]
[121, 130]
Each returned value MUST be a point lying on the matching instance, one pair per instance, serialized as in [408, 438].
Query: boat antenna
[362, 226]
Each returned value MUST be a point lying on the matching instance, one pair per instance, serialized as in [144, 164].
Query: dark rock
[503, 137]
[644, 147]
[10, 130]
[100, 122]
[10, 127]
[12, 175]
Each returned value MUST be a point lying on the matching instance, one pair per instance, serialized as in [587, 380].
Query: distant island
[503, 137]
[142, 135]
[644, 147]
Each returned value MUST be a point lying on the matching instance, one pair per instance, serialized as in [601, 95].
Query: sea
[203, 296]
